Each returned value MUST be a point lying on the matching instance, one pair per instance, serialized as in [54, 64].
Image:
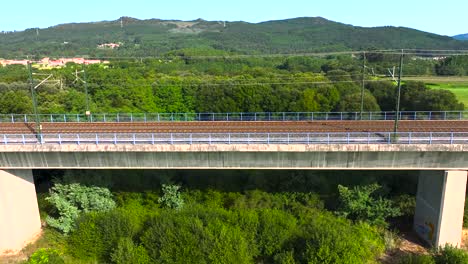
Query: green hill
[461, 37]
[156, 37]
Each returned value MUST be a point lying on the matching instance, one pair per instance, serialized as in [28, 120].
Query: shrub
[451, 255]
[325, 238]
[127, 252]
[417, 259]
[183, 237]
[275, 229]
[72, 199]
[44, 256]
[171, 197]
[360, 204]
[97, 234]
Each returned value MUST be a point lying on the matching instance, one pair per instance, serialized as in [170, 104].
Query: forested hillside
[461, 37]
[158, 37]
[292, 84]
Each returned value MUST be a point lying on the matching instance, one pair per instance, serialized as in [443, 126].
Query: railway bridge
[436, 148]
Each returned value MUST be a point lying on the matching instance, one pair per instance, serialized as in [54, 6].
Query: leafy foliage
[127, 252]
[360, 204]
[171, 197]
[45, 256]
[452, 255]
[72, 199]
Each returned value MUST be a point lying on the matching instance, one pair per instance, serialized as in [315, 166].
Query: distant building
[47, 62]
[109, 45]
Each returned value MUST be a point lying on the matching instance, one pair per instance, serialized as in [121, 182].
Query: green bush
[127, 252]
[171, 197]
[451, 255]
[72, 199]
[360, 204]
[97, 234]
[181, 237]
[275, 229]
[325, 238]
[45, 256]
[417, 259]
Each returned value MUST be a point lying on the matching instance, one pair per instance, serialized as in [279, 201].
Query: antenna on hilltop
[37, 31]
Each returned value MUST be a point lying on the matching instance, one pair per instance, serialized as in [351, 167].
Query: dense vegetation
[155, 37]
[254, 84]
[229, 217]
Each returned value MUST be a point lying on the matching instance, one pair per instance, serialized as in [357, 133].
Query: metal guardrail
[255, 116]
[239, 138]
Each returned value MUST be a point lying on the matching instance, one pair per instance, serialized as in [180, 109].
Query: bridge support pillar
[440, 203]
[19, 212]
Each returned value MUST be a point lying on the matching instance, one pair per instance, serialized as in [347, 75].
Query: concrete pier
[440, 205]
[19, 213]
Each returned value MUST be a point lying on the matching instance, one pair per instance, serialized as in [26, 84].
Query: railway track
[237, 127]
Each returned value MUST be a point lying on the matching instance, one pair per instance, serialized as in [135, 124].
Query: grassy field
[457, 85]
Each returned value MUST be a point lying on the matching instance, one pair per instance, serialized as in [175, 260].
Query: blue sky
[448, 17]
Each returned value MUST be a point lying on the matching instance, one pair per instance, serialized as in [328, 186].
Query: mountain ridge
[156, 37]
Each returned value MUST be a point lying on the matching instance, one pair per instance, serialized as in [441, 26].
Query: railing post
[104, 117]
[229, 138]
[268, 138]
[451, 138]
[227, 116]
[158, 117]
[312, 117]
[118, 118]
[308, 138]
[430, 138]
[78, 139]
[65, 118]
[212, 118]
[152, 138]
[41, 136]
[255, 116]
[172, 140]
[190, 136]
[415, 114]
[430, 115]
[284, 116]
[209, 138]
[241, 116]
[460, 115]
[385, 115]
[248, 138]
[77, 117]
[131, 117]
[5, 139]
[115, 138]
[347, 136]
[51, 118]
[368, 138]
[326, 116]
[24, 141]
[172, 116]
[97, 139]
[328, 138]
[12, 118]
[409, 137]
[60, 139]
[341, 116]
[25, 118]
[134, 139]
[445, 115]
[144, 117]
[389, 138]
[288, 138]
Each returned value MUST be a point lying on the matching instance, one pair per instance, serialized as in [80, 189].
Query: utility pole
[397, 110]
[88, 112]
[363, 83]
[34, 101]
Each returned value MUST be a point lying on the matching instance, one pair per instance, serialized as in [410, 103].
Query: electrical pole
[88, 112]
[34, 101]
[397, 110]
[363, 84]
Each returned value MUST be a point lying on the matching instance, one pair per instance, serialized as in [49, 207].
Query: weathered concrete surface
[440, 204]
[261, 156]
[19, 213]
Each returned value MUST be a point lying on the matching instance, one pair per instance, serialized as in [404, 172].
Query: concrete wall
[19, 213]
[253, 156]
[440, 204]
